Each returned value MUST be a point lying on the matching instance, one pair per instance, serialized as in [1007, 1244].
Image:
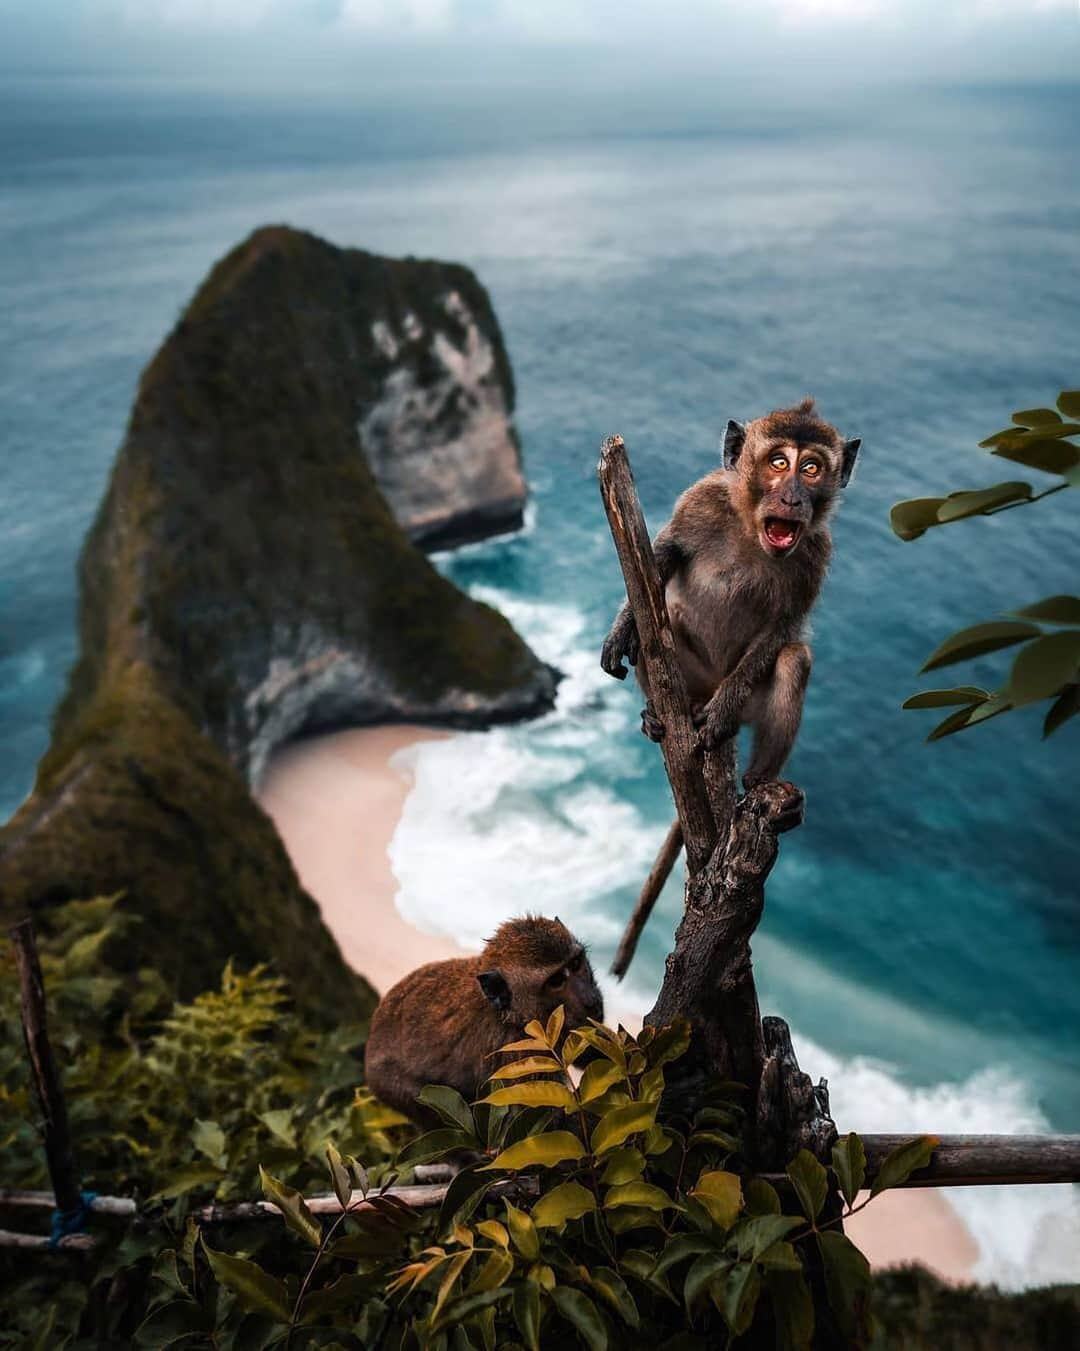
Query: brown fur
[440, 1026]
[738, 603]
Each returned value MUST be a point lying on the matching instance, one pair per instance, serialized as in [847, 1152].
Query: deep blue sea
[913, 263]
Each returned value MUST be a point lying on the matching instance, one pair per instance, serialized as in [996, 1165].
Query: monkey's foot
[651, 725]
[777, 799]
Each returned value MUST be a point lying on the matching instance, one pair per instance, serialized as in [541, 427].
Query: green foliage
[601, 1228]
[166, 1101]
[1048, 665]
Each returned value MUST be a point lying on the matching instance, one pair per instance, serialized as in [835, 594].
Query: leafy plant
[1048, 664]
[585, 1217]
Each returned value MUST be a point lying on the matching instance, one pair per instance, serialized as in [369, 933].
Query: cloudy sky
[821, 46]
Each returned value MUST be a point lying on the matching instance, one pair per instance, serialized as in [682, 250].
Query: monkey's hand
[722, 716]
[621, 642]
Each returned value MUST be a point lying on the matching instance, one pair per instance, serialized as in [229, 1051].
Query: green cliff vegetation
[245, 582]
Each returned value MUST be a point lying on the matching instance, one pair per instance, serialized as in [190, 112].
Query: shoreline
[336, 800]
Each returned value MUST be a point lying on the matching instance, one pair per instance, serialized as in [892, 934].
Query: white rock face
[439, 438]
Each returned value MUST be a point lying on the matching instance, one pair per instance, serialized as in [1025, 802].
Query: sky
[772, 48]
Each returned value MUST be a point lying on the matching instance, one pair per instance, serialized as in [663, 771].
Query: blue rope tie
[66, 1222]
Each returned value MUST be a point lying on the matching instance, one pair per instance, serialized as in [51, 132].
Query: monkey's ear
[734, 436]
[495, 988]
[847, 467]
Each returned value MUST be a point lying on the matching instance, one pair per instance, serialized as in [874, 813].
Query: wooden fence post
[58, 1150]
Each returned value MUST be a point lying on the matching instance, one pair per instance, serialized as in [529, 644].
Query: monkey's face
[521, 993]
[792, 489]
[574, 986]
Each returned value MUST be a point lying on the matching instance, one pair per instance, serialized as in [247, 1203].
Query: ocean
[914, 263]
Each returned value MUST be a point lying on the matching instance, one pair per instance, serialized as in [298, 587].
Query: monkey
[441, 1023]
[742, 561]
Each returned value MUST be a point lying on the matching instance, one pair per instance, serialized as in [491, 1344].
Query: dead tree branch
[54, 1122]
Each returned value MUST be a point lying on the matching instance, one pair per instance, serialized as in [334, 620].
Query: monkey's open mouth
[781, 534]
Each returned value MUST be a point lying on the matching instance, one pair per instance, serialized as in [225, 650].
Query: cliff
[246, 581]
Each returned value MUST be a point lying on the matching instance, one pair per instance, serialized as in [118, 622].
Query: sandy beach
[336, 801]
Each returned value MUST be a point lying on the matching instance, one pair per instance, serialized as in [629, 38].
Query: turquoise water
[915, 267]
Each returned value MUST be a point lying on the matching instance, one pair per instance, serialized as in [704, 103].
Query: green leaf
[980, 639]
[466, 1190]
[522, 1232]
[810, 1181]
[339, 1176]
[849, 1165]
[467, 1307]
[793, 1309]
[293, 1207]
[527, 1314]
[495, 1272]
[721, 1195]
[186, 1179]
[740, 1297]
[530, 1064]
[450, 1105]
[847, 1282]
[642, 1194]
[615, 1126]
[761, 1197]
[1045, 453]
[451, 1274]
[209, 1139]
[902, 1162]
[962, 694]
[494, 1231]
[598, 1078]
[169, 1324]
[611, 1286]
[545, 1151]
[533, 1093]
[577, 1308]
[569, 1201]
[701, 1275]
[669, 1043]
[623, 1165]
[1035, 417]
[1069, 402]
[1044, 667]
[681, 1247]
[781, 1257]
[280, 1125]
[1066, 707]
[914, 517]
[255, 1290]
[958, 506]
[1053, 610]
[348, 1289]
[758, 1234]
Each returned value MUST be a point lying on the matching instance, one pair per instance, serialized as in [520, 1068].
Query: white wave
[513, 820]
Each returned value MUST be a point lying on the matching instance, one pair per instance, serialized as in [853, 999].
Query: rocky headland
[252, 576]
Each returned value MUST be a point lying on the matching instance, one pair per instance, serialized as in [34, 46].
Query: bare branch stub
[657, 651]
[57, 1136]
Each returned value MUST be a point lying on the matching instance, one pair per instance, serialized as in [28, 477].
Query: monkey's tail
[654, 884]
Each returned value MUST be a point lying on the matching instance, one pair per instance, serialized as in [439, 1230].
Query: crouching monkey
[442, 1022]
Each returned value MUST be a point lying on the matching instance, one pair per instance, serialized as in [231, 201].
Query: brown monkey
[742, 559]
[442, 1022]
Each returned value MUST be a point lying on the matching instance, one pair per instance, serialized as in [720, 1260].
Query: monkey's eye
[556, 980]
[575, 966]
[778, 461]
[811, 469]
